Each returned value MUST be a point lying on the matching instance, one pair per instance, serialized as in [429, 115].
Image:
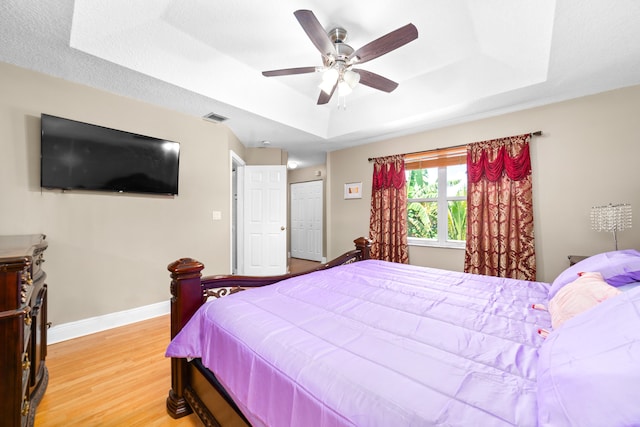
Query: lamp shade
[612, 218]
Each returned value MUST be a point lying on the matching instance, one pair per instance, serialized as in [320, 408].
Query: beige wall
[588, 155]
[261, 156]
[235, 145]
[109, 252]
[312, 173]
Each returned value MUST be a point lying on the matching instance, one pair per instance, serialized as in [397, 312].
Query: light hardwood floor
[118, 377]
[296, 265]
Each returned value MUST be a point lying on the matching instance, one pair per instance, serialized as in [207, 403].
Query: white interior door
[265, 219]
[306, 220]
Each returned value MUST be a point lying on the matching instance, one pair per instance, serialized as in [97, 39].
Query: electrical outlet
[216, 215]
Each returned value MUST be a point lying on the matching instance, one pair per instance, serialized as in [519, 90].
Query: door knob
[282, 228]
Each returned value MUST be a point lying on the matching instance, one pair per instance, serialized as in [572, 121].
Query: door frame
[236, 163]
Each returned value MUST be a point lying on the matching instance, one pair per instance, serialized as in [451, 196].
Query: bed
[361, 342]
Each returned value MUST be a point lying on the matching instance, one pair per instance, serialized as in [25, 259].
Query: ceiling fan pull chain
[344, 102]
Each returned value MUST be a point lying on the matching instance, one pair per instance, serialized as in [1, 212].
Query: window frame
[441, 158]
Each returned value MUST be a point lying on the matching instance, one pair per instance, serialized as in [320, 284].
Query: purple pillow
[629, 286]
[617, 268]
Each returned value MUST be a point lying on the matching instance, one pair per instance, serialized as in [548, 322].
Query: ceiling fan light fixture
[329, 79]
[351, 78]
[343, 88]
[330, 76]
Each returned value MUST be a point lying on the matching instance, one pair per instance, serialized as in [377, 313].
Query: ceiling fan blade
[316, 33]
[326, 97]
[289, 71]
[376, 81]
[385, 44]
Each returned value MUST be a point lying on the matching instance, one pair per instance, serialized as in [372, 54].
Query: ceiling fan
[339, 58]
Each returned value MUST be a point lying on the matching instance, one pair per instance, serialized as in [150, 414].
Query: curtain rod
[370, 159]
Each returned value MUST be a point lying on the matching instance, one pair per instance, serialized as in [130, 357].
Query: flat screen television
[82, 156]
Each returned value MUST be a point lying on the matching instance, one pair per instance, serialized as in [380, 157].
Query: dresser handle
[26, 364]
[26, 277]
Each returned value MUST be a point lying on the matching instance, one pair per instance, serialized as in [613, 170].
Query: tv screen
[82, 156]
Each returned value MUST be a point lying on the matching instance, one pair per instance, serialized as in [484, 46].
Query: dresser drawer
[16, 284]
[21, 259]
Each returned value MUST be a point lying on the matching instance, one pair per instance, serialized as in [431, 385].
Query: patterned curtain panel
[500, 238]
[388, 220]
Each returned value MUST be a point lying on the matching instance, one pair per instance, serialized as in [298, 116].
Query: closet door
[306, 220]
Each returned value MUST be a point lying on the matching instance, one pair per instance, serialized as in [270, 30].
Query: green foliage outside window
[422, 215]
[422, 209]
[457, 222]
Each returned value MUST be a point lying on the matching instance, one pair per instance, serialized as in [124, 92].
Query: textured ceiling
[472, 59]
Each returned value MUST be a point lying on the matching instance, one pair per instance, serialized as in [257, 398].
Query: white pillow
[587, 291]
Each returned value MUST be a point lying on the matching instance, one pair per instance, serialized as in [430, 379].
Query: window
[437, 197]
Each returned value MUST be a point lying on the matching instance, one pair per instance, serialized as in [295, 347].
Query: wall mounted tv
[82, 156]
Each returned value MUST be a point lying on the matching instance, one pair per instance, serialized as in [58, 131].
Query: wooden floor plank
[297, 265]
[118, 377]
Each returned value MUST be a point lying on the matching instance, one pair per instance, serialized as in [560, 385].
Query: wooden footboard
[189, 290]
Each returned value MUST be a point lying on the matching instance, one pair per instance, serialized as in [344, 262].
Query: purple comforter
[376, 344]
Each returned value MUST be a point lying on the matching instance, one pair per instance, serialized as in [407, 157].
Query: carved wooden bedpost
[188, 293]
[186, 297]
[364, 246]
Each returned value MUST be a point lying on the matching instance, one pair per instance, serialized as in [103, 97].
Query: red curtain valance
[388, 172]
[388, 214]
[516, 167]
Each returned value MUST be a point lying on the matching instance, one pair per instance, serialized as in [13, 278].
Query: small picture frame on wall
[353, 190]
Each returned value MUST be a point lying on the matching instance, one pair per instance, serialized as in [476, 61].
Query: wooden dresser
[23, 328]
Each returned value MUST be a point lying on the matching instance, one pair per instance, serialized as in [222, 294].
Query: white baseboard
[67, 331]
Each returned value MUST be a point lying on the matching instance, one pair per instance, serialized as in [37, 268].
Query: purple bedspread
[376, 344]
